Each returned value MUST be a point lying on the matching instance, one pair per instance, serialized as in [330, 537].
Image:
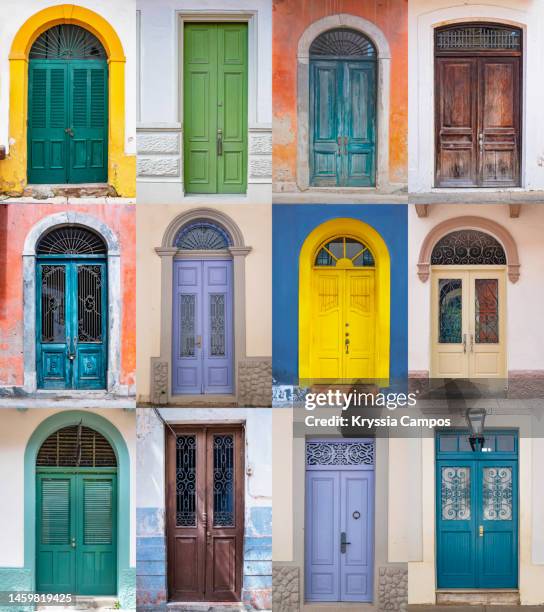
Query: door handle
[345, 145]
[73, 543]
[198, 341]
[339, 149]
[481, 530]
[471, 343]
[347, 345]
[343, 542]
[464, 343]
[70, 132]
[219, 142]
[481, 141]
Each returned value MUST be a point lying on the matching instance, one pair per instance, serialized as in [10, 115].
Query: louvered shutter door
[89, 144]
[97, 551]
[55, 555]
[47, 122]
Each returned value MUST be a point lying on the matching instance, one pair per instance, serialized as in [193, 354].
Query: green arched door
[67, 108]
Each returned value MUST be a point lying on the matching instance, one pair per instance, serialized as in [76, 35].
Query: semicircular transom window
[67, 41]
[71, 240]
[342, 43]
[202, 235]
[468, 247]
[76, 446]
[344, 252]
[478, 37]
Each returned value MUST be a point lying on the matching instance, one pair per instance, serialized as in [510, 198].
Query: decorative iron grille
[187, 325]
[344, 248]
[450, 310]
[202, 236]
[53, 298]
[470, 37]
[223, 481]
[89, 308]
[217, 325]
[340, 453]
[468, 247]
[76, 446]
[455, 494]
[497, 493]
[343, 43]
[67, 41]
[186, 481]
[71, 240]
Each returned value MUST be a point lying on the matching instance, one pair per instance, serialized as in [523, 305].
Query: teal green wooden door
[76, 539]
[215, 107]
[342, 110]
[67, 108]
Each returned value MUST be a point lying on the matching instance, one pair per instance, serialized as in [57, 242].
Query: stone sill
[478, 196]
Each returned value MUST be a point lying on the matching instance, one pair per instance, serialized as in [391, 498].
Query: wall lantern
[476, 420]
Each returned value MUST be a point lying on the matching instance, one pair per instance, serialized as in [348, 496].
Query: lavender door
[339, 529]
[202, 327]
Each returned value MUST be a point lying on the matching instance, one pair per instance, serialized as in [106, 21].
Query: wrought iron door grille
[71, 240]
[53, 303]
[202, 236]
[468, 247]
[343, 43]
[340, 453]
[186, 481]
[478, 38]
[89, 298]
[223, 481]
[67, 41]
[69, 447]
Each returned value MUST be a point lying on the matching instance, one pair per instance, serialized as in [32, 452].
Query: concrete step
[92, 190]
[87, 604]
[477, 597]
[200, 606]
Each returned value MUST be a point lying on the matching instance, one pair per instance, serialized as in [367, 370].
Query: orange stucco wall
[290, 19]
[16, 220]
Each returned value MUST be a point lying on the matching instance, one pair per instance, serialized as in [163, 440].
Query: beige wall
[255, 222]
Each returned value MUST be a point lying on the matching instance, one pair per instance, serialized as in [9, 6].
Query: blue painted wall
[291, 224]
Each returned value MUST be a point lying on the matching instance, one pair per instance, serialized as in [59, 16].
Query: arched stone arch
[161, 367]
[371, 238]
[114, 294]
[369, 29]
[477, 223]
[125, 574]
[121, 167]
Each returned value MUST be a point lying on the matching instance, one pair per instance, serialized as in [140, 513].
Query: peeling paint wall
[150, 513]
[290, 19]
[16, 220]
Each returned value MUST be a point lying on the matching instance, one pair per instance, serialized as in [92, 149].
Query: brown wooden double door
[205, 512]
[478, 138]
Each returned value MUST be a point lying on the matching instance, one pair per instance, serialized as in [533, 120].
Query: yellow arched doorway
[121, 167]
[344, 303]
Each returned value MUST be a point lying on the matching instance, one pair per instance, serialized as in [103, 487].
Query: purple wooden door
[339, 520]
[202, 327]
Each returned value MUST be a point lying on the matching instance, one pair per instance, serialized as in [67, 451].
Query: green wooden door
[67, 121]
[76, 532]
[215, 107]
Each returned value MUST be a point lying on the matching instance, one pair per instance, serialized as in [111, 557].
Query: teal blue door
[76, 532]
[67, 108]
[477, 511]
[342, 110]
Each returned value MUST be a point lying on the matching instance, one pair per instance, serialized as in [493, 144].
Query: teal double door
[67, 121]
[477, 512]
[342, 123]
[71, 326]
[76, 536]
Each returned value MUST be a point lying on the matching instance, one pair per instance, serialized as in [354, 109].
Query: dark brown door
[478, 91]
[205, 513]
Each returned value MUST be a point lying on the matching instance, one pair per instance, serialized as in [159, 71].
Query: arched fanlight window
[344, 252]
[468, 247]
[67, 41]
[71, 240]
[76, 446]
[478, 37]
[342, 43]
[202, 235]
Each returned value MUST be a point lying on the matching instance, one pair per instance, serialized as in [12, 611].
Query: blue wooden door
[202, 326]
[342, 123]
[339, 528]
[71, 326]
[477, 512]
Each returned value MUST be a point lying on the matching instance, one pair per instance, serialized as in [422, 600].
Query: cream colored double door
[468, 322]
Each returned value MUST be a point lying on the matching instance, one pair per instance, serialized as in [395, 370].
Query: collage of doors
[213, 211]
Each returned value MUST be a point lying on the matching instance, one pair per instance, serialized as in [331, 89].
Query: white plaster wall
[422, 568]
[423, 17]
[16, 428]
[524, 298]
[160, 139]
[121, 15]
[258, 459]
